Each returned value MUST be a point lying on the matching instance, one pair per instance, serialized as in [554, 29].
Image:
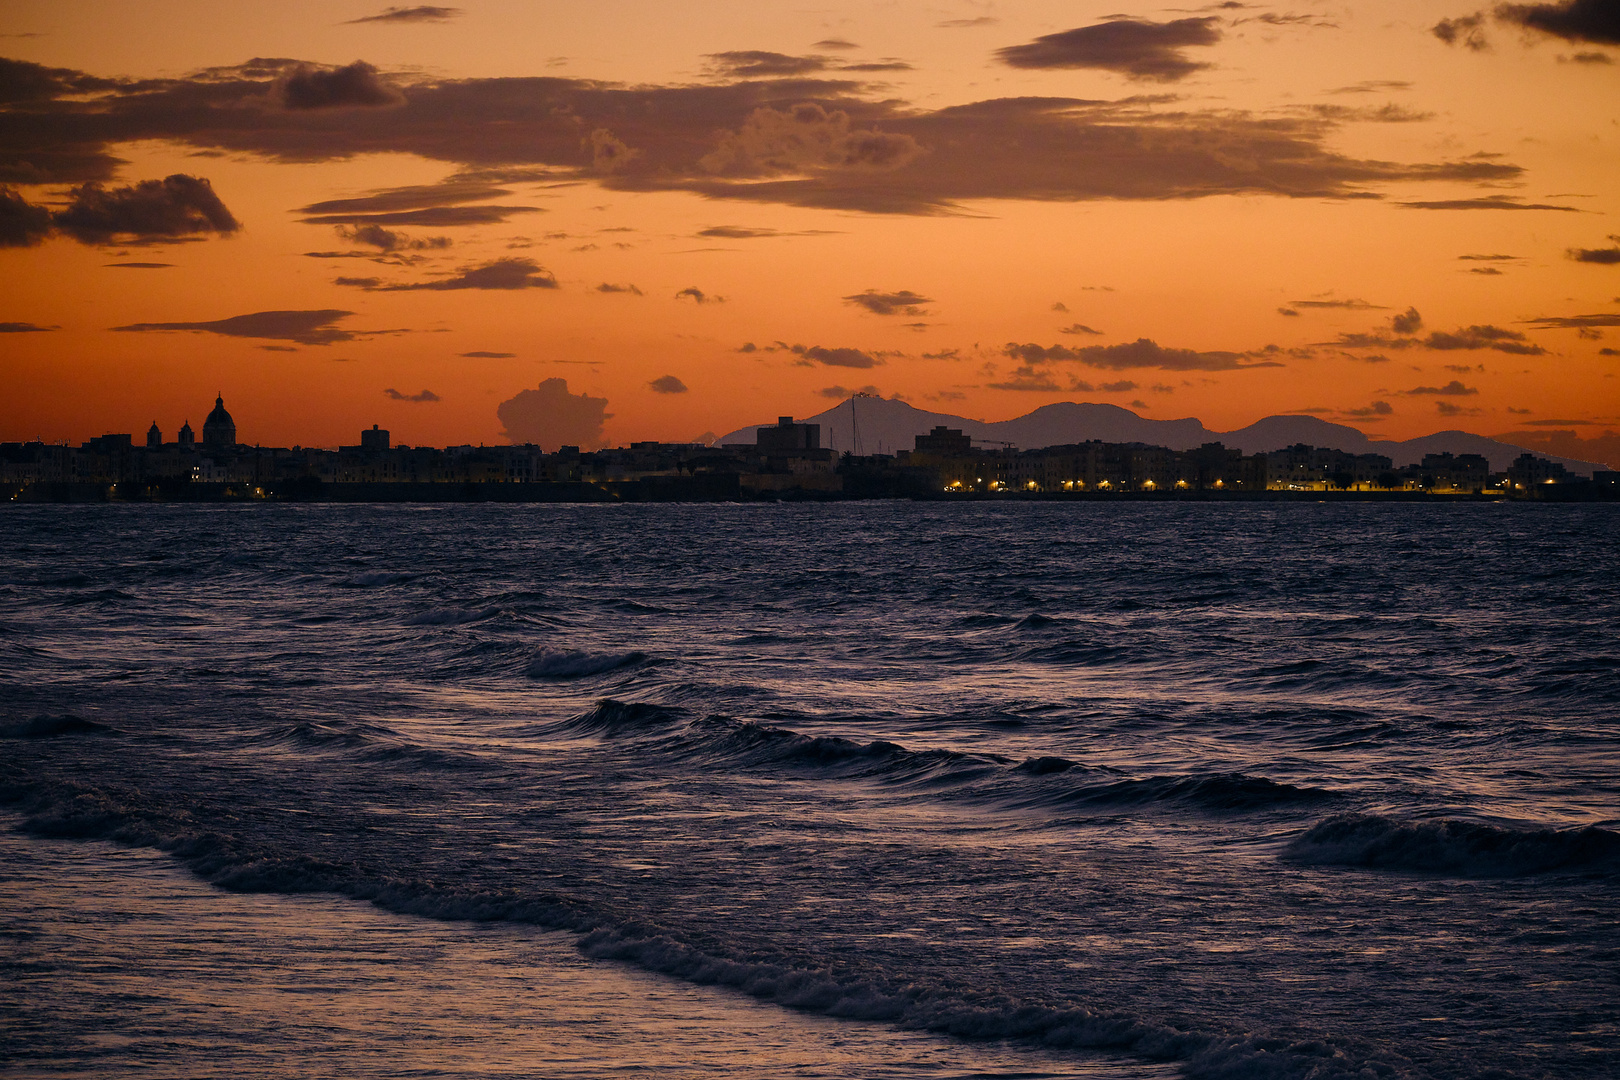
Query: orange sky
[981, 208]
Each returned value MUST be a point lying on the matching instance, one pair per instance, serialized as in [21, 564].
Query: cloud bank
[802, 141]
[549, 416]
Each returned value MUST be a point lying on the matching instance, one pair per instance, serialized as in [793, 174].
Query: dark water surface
[1249, 790]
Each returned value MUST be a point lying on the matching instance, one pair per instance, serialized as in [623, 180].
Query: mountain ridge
[880, 425]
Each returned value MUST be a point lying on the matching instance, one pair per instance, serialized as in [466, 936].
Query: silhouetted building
[154, 437]
[110, 444]
[186, 439]
[787, 436]
[1528, 470]
[375, 439]
[1467, 472]
[219, 430]
[944, 440]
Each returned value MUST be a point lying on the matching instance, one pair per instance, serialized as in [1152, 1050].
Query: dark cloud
[839, 393]
[421, 204]
[1348, 305]
[1483, 337]
[1574, 322]
[1290, 312]
[424, 396]
[1597, 21]
[356, 85]
[838, 44]
[740, 232]
[1590, 58]
[1377, 408]
[388, 240]
[442, 217]
[1373, 114]
[139, 266]
[880, 65]
[1446, 408]
[1467, 338]
[609, 287]
[509, 272]
[1485, 202]
[1488, 271]
[736, 232]
[151, 211]
[754, 64]
[806, 137]
[796, 141]
[667, 384]
[1608, 256]
[480, 354]
[698, 296]
[25, 328]
[1465, 30]
[839, 357]
[1141, 353]
[1451, 389]
[420, 14]
[1487, 258]
[549, 416]
[964, 24]
[1079, 328]
[1027, 379]
[412, 197]
[1372, 86]
[904, 302]
[1137, 48]
[304, 327]
[22, 224]
[21, 81]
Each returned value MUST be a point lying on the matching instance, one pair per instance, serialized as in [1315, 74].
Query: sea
[927, 790]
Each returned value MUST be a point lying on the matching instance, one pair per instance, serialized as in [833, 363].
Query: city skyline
[464, 222]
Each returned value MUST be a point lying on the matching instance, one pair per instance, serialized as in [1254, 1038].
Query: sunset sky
[1400, 216]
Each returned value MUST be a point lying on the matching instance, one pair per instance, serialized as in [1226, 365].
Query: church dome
[219, 429]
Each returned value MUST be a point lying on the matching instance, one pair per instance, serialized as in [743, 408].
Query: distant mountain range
[879, 426]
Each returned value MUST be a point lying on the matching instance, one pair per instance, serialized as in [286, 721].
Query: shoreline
[705, 490]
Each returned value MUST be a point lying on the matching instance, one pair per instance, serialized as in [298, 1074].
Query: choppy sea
[1142, 790]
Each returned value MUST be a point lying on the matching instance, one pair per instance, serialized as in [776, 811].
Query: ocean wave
[576, 663]
[45, 727]
[753, 744]
[451, 616]
[375, 578]
[363, 742]
[918, 1006]
[611, 718]
[1450, 847]
[99, 596]
[1230, 793]
[236, 861]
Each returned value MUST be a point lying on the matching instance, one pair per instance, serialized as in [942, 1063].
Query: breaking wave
[576, 664]
[1451, 848]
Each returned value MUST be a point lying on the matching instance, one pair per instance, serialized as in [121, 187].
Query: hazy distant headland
[863, 448]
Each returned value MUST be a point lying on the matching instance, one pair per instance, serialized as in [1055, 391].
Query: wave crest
[1450, 847]
[576, 664]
